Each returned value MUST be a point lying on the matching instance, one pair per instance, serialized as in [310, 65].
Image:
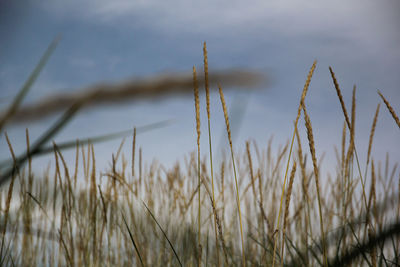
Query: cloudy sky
[116, 40]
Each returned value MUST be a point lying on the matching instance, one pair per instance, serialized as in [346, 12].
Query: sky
[116, 40]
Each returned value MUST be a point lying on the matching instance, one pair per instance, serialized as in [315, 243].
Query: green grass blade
[133, 241]
[28, 84]
[165, 235]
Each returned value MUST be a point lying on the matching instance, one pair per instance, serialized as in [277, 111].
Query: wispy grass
[61, 217]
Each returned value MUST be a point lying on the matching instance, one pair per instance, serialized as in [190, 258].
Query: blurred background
[112, 41]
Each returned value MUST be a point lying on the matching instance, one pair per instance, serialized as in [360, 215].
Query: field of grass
[251, 209]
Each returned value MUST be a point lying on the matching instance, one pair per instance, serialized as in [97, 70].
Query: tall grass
[145, 214]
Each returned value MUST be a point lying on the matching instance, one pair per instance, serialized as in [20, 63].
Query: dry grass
[303, 96]
[197, 108]
[228, 130]
[148, 215]
[390, 108]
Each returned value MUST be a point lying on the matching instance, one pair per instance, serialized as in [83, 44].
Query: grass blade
[165, 235]
[358, 249]
[133, 241]
[28, 84]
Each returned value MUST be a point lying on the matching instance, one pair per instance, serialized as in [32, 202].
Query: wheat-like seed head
[221, 94]
[234, 170]
[302, 164]
[197, 104]
[339, 93]
[206, 83]
[371, 135]
[286, 214]
[310, 137]
[305, 89]
[390, 108]
[303, 95]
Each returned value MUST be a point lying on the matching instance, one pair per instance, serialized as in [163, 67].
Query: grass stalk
[28, 84]
[287, 203]
[206, 83]
[165, 235]
[338, 91]
[234, 169]
[310, 137]
[303, 96]
[133, 241]
[197, 107]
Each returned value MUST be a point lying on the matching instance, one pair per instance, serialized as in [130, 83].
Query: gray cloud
[371, 24]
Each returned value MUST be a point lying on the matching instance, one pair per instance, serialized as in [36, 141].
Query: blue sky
[116, 40]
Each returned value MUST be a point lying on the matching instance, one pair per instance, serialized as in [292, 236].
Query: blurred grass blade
[146, 89]
[299, 254]
[28, 84]
[358, 249]
[104, 138]
[165, 235]
[96, 139]
[358, 244]
[133, 241]
[68, 115]
[107, 137]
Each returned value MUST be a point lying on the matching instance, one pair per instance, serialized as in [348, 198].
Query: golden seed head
[371, 135]
[310, 137]
[197, 103]
[206, 83]
[338, 92]
[305, 89]
[221, 94]
[390, 108]
[289, 192]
